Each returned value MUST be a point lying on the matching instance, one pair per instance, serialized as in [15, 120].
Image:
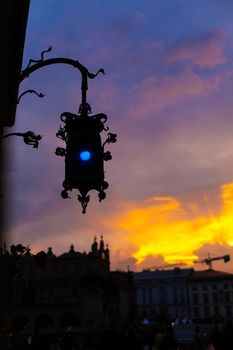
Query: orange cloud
[164, 226]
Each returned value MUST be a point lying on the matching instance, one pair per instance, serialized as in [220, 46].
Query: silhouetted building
[211, 295]
[162, 291]
[73, 289]
[204, 296]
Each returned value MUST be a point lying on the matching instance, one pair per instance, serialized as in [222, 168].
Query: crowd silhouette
[158, 337]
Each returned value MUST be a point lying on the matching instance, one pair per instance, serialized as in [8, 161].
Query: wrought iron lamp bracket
[29, 137]
[83, 112]
[34, 65]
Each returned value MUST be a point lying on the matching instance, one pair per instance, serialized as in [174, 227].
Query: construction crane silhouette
[209, 261]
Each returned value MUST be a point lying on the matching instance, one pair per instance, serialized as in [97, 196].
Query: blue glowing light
[85, 155]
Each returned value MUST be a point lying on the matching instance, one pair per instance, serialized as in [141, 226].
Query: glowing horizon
[164, 227]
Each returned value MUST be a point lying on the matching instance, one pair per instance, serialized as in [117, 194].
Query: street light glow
[85, 155]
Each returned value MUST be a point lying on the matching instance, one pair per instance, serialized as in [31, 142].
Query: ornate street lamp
[84, 152]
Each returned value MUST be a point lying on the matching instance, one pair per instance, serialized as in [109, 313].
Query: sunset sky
[168, 94]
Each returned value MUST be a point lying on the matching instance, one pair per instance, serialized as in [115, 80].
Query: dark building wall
[74, 283]
[13, 23]
[13, 15]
